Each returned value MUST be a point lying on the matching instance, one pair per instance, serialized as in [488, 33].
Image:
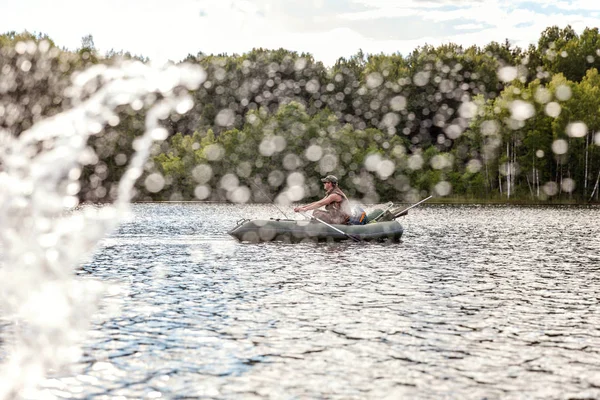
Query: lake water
[476, 302]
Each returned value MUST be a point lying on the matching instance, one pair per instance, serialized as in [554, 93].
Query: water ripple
[476, 302]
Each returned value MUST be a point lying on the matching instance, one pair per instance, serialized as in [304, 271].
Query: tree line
[491, 123]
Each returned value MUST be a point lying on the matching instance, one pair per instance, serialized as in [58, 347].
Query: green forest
[491, 124]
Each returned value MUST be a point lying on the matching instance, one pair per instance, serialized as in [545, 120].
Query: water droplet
[225, 117]
[240, 194]
[474, 166]
[374, 79]
[229, 182]
[385, 168]
[184, 105]
[421, 78]
[568, 185]
[542, 95]
[560, 146]
[154, 182]
[415, 162]
[313, 153]
[202, 192]
[552, 109]
[202, 173]
[443, 188]
[577, 129]
[328, 163]
[398, 103]
[489, 127]
[300, 64]
[468, 109]
[159, 134]
[550, 188]
[521, 110]
[508, 74]
[313, 86]
[214, 152]
[563, 92]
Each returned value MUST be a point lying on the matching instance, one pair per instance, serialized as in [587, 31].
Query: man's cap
[330, 178]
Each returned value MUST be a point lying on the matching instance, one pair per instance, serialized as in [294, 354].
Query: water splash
[46, 232]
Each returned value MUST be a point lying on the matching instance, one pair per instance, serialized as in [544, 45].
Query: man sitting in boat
[337, 206]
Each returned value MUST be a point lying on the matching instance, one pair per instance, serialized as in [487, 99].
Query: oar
[333, 227]
[405, 211]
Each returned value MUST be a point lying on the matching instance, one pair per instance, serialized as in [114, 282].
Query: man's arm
[323, 202]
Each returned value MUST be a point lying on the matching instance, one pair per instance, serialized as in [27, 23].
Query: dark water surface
[477, 302]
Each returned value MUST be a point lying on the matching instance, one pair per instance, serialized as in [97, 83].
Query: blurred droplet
[550, 188]
[468, 109]
[490, 127]
[202, 173]
[214, 152]
[415, 162]
[385, 168]
[443, 188]
[540, 154]
[240, 194]
[421, 78]
[225, 117]
[202, 192]
[521, 110]
[372, 161]
[507, 74]
[229, 182]
[474, 166]
[567, 185]
[276, 178]
[313, 153]
[542, 95]
[453, 131]
[552, 109]
[154, 182]
[268, 146]
[159, 134]
[313, 86]
[398, 103]
[597, 138]
[328, 163]
[563, 92]
[560, 146]
[184, 105]
[295, 179]
[374, 79]
[441, 161]
[300, 64]
[577, 129]
[390, 120]
[291, 162]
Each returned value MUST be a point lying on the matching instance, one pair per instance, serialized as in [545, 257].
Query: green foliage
[390, 126]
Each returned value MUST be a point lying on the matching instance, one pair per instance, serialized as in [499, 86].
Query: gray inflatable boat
[288, 230]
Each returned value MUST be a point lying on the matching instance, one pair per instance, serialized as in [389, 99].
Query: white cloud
[171, 30]
[469, 26]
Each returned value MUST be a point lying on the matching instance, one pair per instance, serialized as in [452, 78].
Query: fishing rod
[403, 212]
[261, 191]
[269, 198]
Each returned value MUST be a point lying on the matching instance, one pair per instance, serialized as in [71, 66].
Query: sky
[328, 29]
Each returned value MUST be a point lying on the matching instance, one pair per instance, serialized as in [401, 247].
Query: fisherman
[337, 206]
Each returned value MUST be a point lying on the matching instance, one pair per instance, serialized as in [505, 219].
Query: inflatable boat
[288, 230]
[381, 226]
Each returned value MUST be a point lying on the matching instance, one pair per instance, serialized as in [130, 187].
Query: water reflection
[477, 302]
